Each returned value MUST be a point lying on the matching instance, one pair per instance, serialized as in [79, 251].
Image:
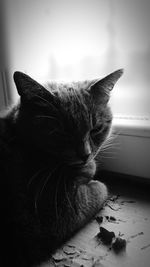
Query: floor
[127, 214]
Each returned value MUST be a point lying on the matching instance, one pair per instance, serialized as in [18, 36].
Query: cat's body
[48, 145]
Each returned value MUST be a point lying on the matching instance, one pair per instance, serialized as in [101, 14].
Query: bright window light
[82, 39]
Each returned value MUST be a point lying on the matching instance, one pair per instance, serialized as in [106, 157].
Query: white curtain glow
[83, 39]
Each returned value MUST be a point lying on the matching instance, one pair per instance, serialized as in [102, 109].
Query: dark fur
[48, 143]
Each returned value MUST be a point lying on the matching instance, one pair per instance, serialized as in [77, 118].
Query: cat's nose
[84, 151]
[85, 157]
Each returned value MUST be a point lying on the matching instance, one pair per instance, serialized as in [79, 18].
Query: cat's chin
[86, 170]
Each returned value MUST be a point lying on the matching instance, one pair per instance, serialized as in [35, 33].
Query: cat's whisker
[107, 152]
[105, 146]
[46, 117]
[97, 152]
[113, 136]
[40, 190]
[56, 195]
[68, 197]
[91, 158]
[107, 157]
[51, 132]
[108, 141]
[36, 199]
[47, 179]
[35, 175]
[35, 202]
[110, 146]
[35, 207]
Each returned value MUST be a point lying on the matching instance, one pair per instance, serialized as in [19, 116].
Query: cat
[48, 145]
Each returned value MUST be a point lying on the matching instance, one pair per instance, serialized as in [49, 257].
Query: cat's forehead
[74, 100]
[76, 103]
[72, 94]
[55, 86]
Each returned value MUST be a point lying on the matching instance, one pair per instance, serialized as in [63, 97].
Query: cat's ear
[101, 89]
[28, 88]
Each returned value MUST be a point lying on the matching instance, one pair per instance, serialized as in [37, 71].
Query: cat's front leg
[99, 191]
[90, 199]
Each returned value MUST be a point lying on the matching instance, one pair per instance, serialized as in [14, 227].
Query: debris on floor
[99, 219]
[147, 246]
[119, 244]
[133, 236]
[116, 231]
[111, 219]
[109, 238]
[127, 201]
[106, 236]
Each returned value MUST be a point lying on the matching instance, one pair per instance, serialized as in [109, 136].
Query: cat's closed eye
[96, 130]
[100, 128]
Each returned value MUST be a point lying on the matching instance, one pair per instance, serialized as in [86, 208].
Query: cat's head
[70, 120]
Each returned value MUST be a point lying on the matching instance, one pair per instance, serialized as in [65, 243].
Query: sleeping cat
[48, 145]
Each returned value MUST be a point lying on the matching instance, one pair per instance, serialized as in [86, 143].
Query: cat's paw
[99, 191]
[90, 199]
